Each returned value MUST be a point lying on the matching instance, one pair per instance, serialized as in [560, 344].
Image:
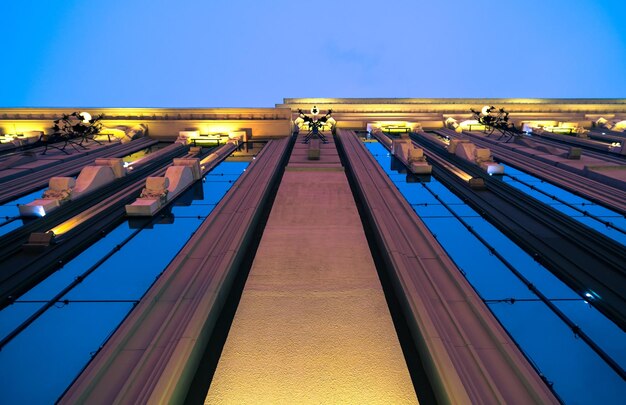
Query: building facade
[324, 250]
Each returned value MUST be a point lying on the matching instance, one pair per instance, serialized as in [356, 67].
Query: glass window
[563, 358]
[57, 345]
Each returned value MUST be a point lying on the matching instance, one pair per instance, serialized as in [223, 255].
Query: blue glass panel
[228, 168]
[431, 210]
[564, 195]
[397, 177]
[8, 210]
[416, 194]
[13, 315]
[544, 280]
[578, 374]
[226, 178]
[6, 228]
[193, 210]
[538, 331]
[42, 361]
[604, 332]
[213, 191]
[131, 271]
[124, 276]
[603, 229]
[58, 280]
[17, 313]
[485, 272]
[462, 210]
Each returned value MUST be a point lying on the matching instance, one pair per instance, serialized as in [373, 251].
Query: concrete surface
[312, 325]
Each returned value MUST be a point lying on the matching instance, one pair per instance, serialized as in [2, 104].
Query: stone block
[574, 153]
[313, 152]
[144, 207]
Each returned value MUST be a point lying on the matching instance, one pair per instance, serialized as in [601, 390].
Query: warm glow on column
[66, 226]
[620, 126]
[394, 126]
[461, 174]
[211, 129]
[73, 222]
[312, 325]
[471, 125]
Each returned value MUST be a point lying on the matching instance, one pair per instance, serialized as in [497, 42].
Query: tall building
[321, 251]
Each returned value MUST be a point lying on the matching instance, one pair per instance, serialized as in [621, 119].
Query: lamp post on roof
[495, 119]
[315, 124]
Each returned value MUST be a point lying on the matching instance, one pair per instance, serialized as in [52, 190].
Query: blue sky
[166, 53]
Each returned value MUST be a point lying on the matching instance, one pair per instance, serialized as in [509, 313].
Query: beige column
[313, 325]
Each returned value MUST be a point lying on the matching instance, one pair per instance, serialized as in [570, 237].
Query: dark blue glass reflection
[53, 349]
[512, 175]
[555, 350]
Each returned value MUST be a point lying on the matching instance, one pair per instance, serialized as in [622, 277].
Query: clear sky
[242, 53]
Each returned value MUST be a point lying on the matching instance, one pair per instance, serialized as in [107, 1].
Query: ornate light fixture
[496, 120]
[315, 124]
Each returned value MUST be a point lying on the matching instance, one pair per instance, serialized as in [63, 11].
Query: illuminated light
[67, 225]
[567, 125]
[485, 110]
[538, 124]
[463, 175]
[394, 126]
[7, 138]
[40, 211]
[604, 133]
[591, 296]
[471, 124]
[86, 117]
[620, 126]
[457, 172]
[219, 129]
[205, 140]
